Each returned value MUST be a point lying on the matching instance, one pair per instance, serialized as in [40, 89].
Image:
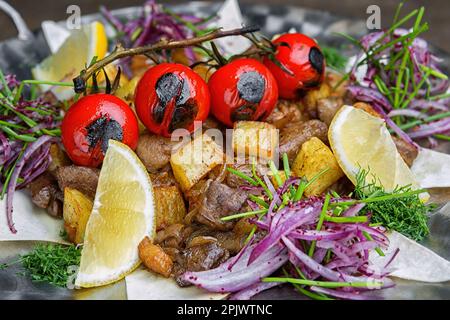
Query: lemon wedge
[122, 215]
[362, 141]
[77, 51]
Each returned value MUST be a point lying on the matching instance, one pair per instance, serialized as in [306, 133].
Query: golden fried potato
[77, 209]
[170, 208]
[313, 158]
[59, 158]
[255, 139]
[154, 258]
[194, 160]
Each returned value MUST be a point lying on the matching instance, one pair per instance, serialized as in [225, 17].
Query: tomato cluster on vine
[171, 96]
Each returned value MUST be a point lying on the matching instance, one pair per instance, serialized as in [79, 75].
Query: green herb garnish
[334, 58]
[402, 210]
[50, 263]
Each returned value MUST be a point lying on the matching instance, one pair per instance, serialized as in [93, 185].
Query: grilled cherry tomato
[91, 122]
[243, 89]
[303, 64]
[171, 96]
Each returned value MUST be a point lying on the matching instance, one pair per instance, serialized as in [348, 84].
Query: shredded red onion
[425, 102]
[341, 252]
[427, 130]
[152, 25]
[242, 275]
[31, 150]
[25, 140]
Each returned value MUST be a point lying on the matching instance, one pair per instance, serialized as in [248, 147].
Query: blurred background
[437, 12]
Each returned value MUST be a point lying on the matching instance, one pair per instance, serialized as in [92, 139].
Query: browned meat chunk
[212, 123]
[154, 258]
[327, 108]
[287, 112]
[234, 181]
[199, 241]
[292, 137]
[174, 236]
[220, 200]
[407, 151]
[198, 258]
[163, 179]
[154, 151]
[46, 194]
[83, 179]
[231, 240]
[204, 257]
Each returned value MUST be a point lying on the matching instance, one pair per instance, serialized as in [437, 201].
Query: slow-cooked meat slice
[231, 240]
[55, 208]
[234, 181]
[212, 123]
[174, 236]
[163, 179]
[154, 151]
[198, 258]
[220, 200]
[46, 194]
[327, 108]
[292, 137]
[43, 189]
[204, 257]
[407, 151]
[287, 112]
[83, 179]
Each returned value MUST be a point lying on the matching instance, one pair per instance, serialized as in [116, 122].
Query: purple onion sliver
[429, 129]
[341, 294]
[32, 148]
[281, 230]
[247, 293]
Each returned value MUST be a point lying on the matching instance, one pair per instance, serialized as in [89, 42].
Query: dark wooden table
[437, 12]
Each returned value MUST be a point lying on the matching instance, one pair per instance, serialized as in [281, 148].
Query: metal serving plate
[17, 56]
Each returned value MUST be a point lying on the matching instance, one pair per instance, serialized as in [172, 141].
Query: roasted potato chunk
[313, 158]
[59, 158]
[77, 209]
[194, 160]
[170, 208]
[154, 258]
[255, 139]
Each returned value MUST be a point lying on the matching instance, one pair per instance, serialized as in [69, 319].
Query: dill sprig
[405, 213]
[334, 58]
[50, 263]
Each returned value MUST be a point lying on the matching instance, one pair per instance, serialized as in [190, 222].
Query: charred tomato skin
[171, 96]
[91, 122]
[243, 89]
[302, 56]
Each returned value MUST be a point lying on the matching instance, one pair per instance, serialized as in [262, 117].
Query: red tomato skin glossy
[225, 96]
[83, 113]
[296, 59]
[146, 98]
